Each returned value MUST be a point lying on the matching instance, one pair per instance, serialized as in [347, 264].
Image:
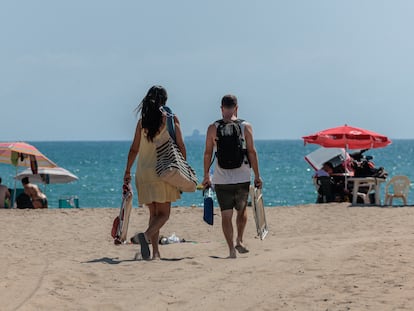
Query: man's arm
[252, 154]
[208, 154]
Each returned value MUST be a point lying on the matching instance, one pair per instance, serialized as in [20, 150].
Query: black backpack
[231, 152]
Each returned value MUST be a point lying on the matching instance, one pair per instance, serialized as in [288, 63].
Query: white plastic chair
[365, 194]
[397, 187]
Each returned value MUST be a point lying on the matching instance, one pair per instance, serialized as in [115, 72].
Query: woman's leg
[159, 214]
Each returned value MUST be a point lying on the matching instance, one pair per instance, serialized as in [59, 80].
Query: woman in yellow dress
[154, 193]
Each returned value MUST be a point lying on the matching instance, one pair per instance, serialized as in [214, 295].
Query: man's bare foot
[232, 254]
[156, 256]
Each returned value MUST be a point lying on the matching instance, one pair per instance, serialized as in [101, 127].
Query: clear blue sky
[75, 70]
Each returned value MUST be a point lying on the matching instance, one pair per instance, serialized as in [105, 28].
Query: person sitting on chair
[23, 201]
[326, 170]
[4, 195]
[39, 199]
[324, 183]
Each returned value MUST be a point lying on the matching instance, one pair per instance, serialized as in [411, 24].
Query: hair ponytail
[150, 110]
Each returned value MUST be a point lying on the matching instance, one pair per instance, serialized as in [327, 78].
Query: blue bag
[208, 216]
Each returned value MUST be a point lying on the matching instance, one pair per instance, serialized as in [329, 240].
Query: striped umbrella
[23, 154]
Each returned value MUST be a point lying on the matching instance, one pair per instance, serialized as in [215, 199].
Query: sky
[76, 70]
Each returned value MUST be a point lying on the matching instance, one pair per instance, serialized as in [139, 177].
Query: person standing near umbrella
[4, 194]
[152, 191]
[39, 199]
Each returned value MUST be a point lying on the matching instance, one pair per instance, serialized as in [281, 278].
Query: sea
[287, 177]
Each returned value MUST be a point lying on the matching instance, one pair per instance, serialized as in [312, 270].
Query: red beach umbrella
[348, 137]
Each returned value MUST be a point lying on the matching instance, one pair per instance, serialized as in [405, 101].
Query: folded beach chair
[120, 223]
[259, 212]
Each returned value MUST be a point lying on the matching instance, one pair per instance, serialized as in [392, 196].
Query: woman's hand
[127, 177]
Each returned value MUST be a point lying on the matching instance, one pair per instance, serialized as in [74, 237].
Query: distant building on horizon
[195, 136]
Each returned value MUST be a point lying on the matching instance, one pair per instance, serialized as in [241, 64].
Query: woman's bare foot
[241, 249]
[145, 251]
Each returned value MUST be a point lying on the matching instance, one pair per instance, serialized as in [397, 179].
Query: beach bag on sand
[171, 166]
[120, 223]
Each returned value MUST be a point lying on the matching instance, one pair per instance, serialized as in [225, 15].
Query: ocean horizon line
[130, 140]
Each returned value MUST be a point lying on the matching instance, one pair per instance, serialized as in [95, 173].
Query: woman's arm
[133, 152]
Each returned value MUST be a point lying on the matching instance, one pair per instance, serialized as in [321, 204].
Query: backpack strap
[239, 122]
[170, 122]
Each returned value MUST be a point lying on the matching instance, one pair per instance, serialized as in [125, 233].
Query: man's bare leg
[241, 222]
[227, 226]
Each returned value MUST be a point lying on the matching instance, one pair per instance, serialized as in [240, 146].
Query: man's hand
[206, 182]
[258, 183]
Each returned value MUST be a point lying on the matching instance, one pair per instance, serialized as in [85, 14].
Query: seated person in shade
[325, 185]
[326, 170]
[39, 199]
[23, 201]
[4, 195]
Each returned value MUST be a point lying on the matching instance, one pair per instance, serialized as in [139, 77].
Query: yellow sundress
[150, 187]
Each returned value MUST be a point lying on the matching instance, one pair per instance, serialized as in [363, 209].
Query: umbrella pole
[14, 192]
[346, 168]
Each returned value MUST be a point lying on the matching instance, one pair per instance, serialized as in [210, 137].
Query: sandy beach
[315, 257]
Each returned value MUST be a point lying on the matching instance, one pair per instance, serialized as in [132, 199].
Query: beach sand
[315, 257]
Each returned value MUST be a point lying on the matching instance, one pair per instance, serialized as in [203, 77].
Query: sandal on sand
[145, 251]
[134, 239]
[241, 249]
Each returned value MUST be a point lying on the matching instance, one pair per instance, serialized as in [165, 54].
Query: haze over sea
[286, 175]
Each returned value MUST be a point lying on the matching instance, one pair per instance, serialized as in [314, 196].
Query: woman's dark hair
[151, 115]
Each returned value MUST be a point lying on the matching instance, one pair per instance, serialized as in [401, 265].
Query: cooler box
[69, 202]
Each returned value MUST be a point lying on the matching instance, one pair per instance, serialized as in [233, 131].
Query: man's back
[39, 199]
[33, 191]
